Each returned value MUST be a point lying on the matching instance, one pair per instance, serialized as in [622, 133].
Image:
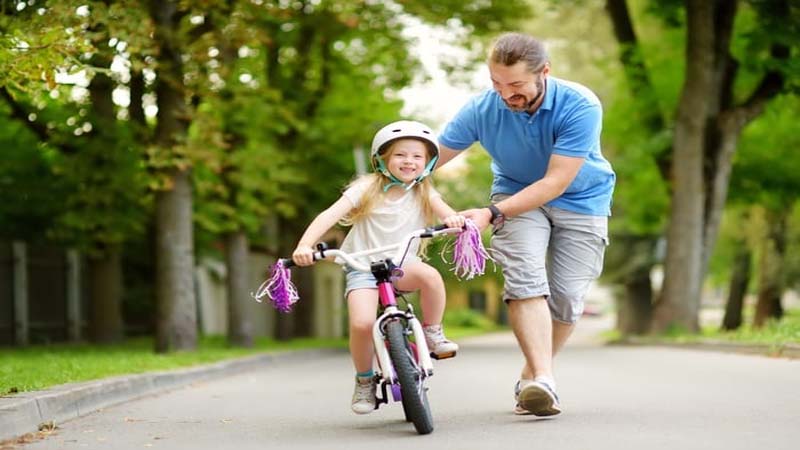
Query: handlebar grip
[287, 262]
[439, 227]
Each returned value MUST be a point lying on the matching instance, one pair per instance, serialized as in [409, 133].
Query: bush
[467, 318]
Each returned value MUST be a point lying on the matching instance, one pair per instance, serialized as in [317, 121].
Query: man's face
[519, 88]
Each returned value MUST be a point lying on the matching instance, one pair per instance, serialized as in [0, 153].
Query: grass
[774, 333]
[42, 366]
[38, 367]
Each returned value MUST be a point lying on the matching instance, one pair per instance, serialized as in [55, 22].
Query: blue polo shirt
[567, 123]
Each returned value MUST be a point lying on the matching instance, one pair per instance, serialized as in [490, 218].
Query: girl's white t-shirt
[388, 223]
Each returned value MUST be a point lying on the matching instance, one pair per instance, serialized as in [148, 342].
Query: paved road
[613, 397]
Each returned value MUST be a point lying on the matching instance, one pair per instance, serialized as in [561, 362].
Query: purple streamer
[469, 255]
[279, 288]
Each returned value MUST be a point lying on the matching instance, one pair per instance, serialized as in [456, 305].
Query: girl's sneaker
[364, 396]
[439, 346]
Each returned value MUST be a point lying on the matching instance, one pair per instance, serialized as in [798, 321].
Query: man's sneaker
[438, 345]
[364, 396]
[519, 410]
[537, 398]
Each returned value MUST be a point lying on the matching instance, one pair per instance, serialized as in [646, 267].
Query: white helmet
[403, 129]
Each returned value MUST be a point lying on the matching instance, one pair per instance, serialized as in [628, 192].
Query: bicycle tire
[415, 399]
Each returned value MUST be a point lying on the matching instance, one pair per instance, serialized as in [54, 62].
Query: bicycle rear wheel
[415, 399]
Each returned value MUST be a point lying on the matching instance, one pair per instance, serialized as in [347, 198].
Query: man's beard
[529, 104]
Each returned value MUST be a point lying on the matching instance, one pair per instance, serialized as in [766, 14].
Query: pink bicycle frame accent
[386, 294]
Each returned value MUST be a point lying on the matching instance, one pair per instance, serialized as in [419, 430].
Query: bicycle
[404, 364]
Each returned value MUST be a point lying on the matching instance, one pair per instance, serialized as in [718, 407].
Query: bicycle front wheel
[415, 399]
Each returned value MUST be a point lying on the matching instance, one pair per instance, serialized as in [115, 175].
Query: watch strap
[496, 213]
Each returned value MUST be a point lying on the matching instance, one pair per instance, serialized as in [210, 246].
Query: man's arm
[445, 155]
[561, 170]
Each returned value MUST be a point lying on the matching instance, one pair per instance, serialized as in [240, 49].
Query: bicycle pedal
[443, 355]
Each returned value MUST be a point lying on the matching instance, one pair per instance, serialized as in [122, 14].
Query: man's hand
[481, 216]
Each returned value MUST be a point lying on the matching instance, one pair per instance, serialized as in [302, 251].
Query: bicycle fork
[382, 353]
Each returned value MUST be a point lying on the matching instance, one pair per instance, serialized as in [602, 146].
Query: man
[550, 201]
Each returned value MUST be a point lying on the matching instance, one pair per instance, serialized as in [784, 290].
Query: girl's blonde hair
[374, 192]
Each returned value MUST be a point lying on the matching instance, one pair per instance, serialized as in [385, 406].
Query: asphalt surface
[613, 397]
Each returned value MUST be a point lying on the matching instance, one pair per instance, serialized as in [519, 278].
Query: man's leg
[575, 259]
[561, 332]
[520, 247]
[530, 320]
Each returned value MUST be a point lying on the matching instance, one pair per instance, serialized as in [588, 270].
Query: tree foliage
[249, 109]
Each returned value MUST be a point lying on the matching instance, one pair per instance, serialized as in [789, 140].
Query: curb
[29, 412]
[790, 351]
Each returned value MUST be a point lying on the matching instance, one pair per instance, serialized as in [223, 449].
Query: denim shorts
[551, 252]
[355, 279]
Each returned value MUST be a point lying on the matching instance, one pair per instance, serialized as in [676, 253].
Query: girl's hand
[455, 221]
[481, 216]
[303, 255]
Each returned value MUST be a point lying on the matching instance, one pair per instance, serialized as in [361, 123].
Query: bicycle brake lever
[321, 247]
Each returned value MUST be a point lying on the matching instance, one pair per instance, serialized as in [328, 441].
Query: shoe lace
[364, 392]
[435, 337]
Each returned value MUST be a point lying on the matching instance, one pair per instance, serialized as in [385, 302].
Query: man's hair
[511, 48]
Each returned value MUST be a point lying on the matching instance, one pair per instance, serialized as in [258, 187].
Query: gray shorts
[551, 252]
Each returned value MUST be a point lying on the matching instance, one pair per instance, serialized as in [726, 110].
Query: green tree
[95, 155]
[732, 69]
[765, 174]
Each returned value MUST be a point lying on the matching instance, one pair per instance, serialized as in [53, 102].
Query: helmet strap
[428, 169]
[396, 182]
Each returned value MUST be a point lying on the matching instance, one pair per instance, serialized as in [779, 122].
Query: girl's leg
[362, 305]
[432, 299]
[432, 295]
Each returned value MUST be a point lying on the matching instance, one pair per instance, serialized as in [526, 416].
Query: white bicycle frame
[378, 337]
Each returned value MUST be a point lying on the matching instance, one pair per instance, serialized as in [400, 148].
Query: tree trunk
[105, 284]
[635, 307]
[770, 280]
[740, 278]
[630, 262]
[717, 183]
[727, 119]
[105, 266]
[680, 298]
[176, 322]
[637, 76]
[240, 327]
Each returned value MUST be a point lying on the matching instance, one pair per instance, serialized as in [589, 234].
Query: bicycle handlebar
[400, 248]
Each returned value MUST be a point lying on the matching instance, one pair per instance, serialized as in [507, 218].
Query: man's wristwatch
[497, 216]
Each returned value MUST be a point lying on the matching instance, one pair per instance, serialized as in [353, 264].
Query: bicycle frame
[391, 310]
[403, 366]
[384, 270]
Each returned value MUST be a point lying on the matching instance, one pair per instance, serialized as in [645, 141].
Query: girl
[382, 208]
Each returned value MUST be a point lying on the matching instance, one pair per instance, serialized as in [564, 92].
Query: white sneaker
[537, 398]
[438, 344]
[364, 396]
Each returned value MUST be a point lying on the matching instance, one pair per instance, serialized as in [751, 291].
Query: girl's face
[407, 159]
